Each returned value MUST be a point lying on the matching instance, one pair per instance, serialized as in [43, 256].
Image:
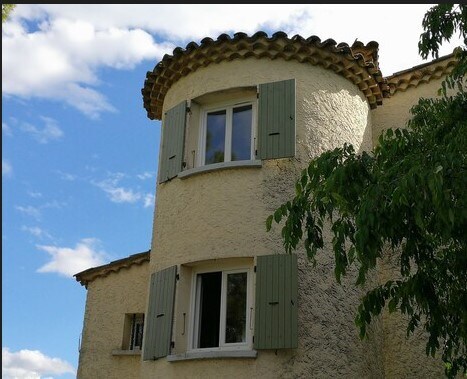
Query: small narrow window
[133, 331]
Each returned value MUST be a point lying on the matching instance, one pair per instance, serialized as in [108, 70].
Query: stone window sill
[126, 352]
[219, 166]
[212, 355]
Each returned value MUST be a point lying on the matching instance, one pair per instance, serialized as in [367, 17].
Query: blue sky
[79, 155]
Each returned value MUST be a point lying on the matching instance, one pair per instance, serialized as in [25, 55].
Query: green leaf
[269, 223]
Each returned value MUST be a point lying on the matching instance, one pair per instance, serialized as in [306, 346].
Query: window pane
[215, 137]
[241, 133]
[235, 326]
[209, 309]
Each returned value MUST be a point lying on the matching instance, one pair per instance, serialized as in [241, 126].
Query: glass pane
[215, 137]
[241, 133]
[209, 309]
[235, 325]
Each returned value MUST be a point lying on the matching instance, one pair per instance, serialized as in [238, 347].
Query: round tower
[241, 117]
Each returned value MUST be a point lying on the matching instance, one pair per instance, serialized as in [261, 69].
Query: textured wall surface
[108, 299]
[395, 111]
[222, 214]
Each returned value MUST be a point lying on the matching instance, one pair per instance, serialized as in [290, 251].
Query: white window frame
[194, 311]
[228, 106]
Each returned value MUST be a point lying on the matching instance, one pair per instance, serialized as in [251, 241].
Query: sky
[80, 156]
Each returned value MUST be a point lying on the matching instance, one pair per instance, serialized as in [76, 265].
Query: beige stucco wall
[222, 214]
[108, 299]
[395, 111]
[404, 356]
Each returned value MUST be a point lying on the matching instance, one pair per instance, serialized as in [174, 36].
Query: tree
[6, 10]
[407, 199]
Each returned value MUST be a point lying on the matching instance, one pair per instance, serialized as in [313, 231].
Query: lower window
[222, 310]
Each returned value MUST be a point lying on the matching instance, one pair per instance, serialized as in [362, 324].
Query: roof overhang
[357, 63]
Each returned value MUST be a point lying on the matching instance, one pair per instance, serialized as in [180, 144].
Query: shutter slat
[276, 119]
[158, 334]
[276, 302]
[173, 139]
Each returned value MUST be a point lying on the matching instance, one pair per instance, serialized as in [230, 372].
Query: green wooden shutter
[276, 120]
[276, 302]
[173, 140]
[158, 333]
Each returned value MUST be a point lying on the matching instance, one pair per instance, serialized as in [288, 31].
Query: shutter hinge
[177, 276]
[188, 109]
[172, 344]
[254, 269]
[257, 95]
[253, 339]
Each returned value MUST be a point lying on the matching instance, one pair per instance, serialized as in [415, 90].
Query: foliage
[6, 10]
[407, 200]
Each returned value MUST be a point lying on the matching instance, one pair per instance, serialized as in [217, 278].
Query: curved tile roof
[358, 63]
[86, 276]
[423, 73]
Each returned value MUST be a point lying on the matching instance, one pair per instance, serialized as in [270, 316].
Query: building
[241, 117]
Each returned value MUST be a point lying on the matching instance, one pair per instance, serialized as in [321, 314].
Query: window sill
[219, 166]
[212, 355]
[126, 352]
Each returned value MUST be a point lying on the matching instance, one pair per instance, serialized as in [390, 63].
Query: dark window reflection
[241, 133]
[215, 137]
[235, 326]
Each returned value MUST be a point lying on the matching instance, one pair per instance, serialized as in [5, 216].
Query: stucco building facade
[216, 296]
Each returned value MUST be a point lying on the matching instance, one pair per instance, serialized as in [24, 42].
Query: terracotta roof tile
[86, 276]
[358, 63]
[423, 73]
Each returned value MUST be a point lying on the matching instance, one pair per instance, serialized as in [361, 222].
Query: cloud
[66, 176]
[56, 51]
[36, 231]
[68, 261]
[149, 200]
[59, 59]
[6, 129]
[30, 211]
[50, 131]
[116, 193]
[34, 195]
[145, 175]
[32, 364]
[6, 168]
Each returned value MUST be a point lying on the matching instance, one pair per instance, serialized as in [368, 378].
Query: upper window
[227, 133]
[222, 310]
[232, 125]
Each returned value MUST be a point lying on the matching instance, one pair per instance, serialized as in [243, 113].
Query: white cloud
[66, 176]
[30, 211]
[6, 129]
[60, 58]
[68, 261]
[36, 231]
[116, 193]
[149, 200]
[32, 364]
[6, 168]
[145, 175]
[34, 194]
[50, 131]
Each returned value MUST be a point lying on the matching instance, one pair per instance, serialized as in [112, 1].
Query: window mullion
[223, 309]
[228, 135]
